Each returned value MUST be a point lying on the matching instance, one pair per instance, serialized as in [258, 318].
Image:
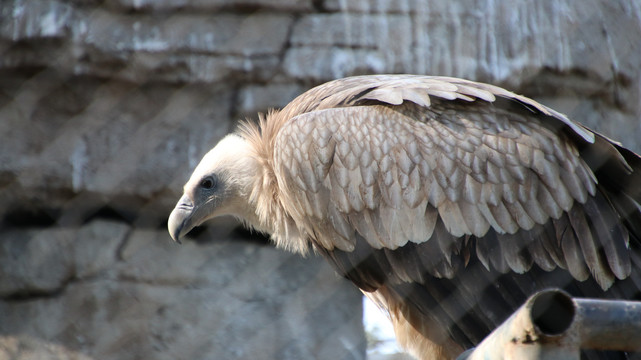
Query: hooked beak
[181, 218]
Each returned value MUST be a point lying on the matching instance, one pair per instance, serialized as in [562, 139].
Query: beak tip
[175, 235]
[176, 226]
[181, 219]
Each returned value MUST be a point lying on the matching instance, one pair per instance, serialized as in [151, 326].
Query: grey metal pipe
[553, 325]
[609, 325]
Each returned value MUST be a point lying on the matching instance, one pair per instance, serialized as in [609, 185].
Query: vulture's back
[449, 202]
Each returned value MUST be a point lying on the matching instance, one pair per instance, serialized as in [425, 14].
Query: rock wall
[107, 105]
[107, 290]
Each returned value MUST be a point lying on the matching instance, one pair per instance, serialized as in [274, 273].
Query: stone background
[107, 105]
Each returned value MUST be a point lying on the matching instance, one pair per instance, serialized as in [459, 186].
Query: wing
[397, 174]
[406, 181]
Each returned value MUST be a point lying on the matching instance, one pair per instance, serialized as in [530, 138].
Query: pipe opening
[553, 312]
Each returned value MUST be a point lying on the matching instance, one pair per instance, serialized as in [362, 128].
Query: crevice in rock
[64, 208]
[216, 230]
[37, 217]
[235, 103]
[196, 234]
[578, 83]
[319, 6]
[123, 244]
[250, 236]
[34, 294]
[288, 41]
[110, 213]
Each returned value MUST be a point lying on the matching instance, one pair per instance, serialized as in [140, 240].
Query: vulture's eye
[208, 183]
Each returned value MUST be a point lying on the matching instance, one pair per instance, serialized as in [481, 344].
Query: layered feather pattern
[428, 191]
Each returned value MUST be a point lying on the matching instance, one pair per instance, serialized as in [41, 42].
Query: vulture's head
[219, 186]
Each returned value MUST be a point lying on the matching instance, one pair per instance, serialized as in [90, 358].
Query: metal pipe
[553, 325]
[609, 325]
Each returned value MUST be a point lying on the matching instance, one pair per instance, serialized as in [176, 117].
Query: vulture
[446, 201]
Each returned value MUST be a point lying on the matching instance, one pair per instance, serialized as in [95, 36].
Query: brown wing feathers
[405, 182]
[381, 193]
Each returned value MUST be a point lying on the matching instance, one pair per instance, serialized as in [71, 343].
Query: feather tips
[418, 166]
